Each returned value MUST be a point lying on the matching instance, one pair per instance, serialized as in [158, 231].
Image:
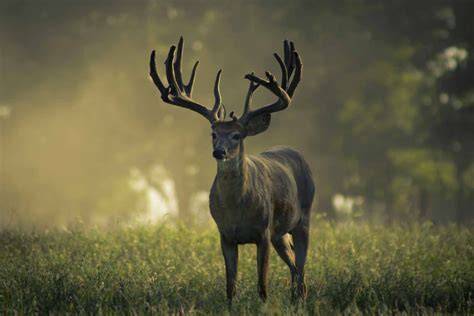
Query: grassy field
[352, 268]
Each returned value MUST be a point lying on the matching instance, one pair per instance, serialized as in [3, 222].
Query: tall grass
[351, 267]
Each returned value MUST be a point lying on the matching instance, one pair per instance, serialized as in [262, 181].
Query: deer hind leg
[284, 248]
[231, 255]
[263, 252]
[301, 240]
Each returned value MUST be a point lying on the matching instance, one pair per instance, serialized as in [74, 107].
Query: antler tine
[154, 74]
[284, 71]
[177, 93]
[170, 75]
[286, 52]
[248, 100]
[291, 59]
[298, 74]
[217, 96]
[217, 92]
[177, 64]
[189, 87]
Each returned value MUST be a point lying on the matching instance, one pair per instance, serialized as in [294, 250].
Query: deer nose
[219, 153]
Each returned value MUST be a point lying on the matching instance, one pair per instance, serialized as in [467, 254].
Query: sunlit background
[384, 113]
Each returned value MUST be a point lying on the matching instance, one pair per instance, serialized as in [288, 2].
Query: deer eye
[236, 136]
[213, 135]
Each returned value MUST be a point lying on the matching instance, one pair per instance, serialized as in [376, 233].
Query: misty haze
[94, 165]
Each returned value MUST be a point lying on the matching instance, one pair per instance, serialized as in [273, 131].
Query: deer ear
[258, 124]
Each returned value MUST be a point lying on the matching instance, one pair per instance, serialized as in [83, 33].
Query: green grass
[352, 268]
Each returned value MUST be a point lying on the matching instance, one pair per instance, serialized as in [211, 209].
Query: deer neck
[231, 176]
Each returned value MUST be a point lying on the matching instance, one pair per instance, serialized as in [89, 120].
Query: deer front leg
[263, 252]
[231, 255]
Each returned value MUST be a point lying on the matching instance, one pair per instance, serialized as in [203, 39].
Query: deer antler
[178, 93]
[290, 66]
[248, 100]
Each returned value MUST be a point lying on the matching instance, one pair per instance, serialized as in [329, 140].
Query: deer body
[261, 199]
[272, 191]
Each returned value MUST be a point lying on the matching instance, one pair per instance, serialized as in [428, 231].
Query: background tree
[383, 114]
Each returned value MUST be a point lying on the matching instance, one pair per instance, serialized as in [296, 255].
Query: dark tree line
[384, 113]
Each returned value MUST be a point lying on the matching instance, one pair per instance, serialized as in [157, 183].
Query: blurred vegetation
[384, 113]
[352, 268]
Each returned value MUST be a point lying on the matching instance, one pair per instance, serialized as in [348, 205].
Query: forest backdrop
[384, 113]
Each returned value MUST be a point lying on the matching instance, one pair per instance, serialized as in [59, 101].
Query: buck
[254, 199]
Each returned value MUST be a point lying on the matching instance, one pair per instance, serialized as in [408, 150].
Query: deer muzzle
[219, 153]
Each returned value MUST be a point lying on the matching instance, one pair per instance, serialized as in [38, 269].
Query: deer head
[228, 136]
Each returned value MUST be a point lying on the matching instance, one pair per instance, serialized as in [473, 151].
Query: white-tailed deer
[254, 199]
